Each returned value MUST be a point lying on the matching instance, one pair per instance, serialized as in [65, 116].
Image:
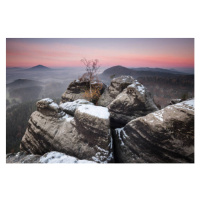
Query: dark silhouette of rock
[165, 136]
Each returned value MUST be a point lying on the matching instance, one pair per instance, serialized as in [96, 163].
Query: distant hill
[138, 72]
[39, 68]
[117, 71]
[21, 83]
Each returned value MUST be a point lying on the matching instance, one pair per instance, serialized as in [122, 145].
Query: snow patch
[97, 111]
[57, 157]
[189, 104]
[48, 100]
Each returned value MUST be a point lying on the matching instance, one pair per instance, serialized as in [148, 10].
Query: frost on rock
[97, 111]
[102, 156]
[57, 157]
[121, 135]
[138, 86]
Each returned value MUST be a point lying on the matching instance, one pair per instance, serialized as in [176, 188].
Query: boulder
[164, 136]
[85, 136]
[50, 157]
[117, 85]
[133, 102]
[77, 88]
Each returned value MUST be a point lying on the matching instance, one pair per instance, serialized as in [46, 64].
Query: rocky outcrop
[165, 136]
[85, 136]
[77, 88]
[51, 157]
[49, 108]
[133, 102]
[117, 85]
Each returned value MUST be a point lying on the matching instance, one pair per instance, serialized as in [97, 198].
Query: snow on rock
[97, 111]
[187, 102]
[138, 86]
[48, 100]
[54, 106]
[67, 117]
[121, 133]
[70, 107]
[57, 157]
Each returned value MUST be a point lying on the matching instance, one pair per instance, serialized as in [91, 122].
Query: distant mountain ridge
[137, 72]
[39, 67]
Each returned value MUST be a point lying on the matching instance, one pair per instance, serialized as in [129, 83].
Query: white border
[114, 19]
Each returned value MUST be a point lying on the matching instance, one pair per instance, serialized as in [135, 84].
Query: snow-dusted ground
[97, 111]
[57, 157]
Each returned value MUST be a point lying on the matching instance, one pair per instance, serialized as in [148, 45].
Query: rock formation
[77, 131]
[133, 102]
[117, 85]
[85, 136]
[163, 136]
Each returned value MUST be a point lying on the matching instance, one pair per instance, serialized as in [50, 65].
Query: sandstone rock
[164, 136]
[85, 136]
[77, 88]
[135, 101]
[116, 87]
[70, 107]
[50, 157]
[49, 108]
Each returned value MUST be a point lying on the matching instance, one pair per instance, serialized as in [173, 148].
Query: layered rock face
[85, 136]
[77, 88]
[164, 136]
[133, 102]
[117, 85]
[51, 157]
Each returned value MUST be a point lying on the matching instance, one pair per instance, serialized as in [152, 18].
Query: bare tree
[92, 67]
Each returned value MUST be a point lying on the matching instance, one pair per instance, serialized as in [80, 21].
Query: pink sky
[166, 53]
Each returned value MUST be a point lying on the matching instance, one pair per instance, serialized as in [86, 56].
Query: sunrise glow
[55, 53]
